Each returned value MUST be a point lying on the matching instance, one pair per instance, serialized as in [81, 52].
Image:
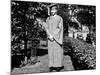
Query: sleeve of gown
[47, 27]
[47, 23]
[60, 26]
[58, 35]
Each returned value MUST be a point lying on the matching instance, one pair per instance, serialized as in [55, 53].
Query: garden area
[27, 34]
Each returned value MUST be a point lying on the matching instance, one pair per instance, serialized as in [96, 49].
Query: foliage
[24, 26]
[77, 15]
[83, 54]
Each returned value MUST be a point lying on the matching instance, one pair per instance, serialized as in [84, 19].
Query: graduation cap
[52, 5]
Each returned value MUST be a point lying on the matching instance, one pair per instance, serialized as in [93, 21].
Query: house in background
[74, 33]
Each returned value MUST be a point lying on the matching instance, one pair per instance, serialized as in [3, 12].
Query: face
[53, 10]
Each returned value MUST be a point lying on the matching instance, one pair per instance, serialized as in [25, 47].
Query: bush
[83, 54]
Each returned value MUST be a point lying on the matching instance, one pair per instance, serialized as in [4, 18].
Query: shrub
[83, 54]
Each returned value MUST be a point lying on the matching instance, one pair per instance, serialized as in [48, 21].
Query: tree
[24, 26]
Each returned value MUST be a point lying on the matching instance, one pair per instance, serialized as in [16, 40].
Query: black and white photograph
[52, 37]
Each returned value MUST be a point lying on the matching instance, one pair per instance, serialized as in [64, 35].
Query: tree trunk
[25, 48]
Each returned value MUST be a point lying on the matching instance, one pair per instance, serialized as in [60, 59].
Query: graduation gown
[55, 52]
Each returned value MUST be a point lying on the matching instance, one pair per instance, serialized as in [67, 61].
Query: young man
[54, 27]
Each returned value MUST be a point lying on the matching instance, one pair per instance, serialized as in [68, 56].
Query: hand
[39, 21]
[44, 24]
[51, 38]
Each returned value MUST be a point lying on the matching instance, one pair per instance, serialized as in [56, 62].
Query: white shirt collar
[55, 15]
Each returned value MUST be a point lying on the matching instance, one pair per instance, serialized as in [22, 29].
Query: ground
[42, 66]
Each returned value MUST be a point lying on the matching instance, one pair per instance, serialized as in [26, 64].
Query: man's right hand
[51, 38]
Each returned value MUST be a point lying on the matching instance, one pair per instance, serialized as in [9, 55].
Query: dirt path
[42, 66]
